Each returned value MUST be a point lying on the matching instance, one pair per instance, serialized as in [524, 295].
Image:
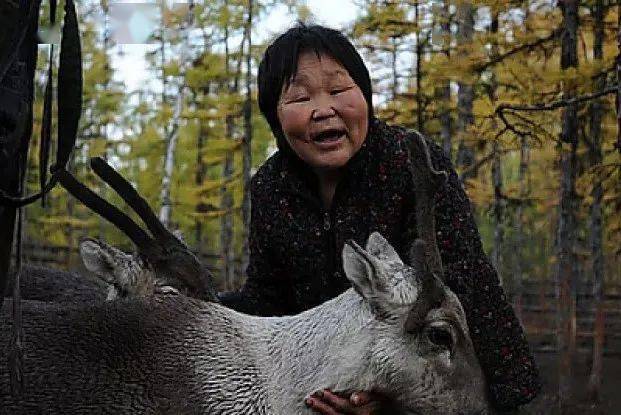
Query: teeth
[329, 136]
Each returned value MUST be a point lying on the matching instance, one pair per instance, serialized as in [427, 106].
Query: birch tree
[172, 132]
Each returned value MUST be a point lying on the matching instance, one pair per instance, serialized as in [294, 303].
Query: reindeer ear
[380, 248]
[101, 259]
[358, 269]
[384, 282]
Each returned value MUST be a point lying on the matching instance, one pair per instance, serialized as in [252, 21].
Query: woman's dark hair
[280, 63]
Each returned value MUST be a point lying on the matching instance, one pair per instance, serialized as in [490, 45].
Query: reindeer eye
[440, 335]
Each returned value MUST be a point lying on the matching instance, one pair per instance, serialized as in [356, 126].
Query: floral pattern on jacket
[295, 248]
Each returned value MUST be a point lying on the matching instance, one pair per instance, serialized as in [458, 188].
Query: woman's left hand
[328, 403]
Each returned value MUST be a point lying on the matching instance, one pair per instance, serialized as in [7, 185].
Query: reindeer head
[420, 343]
[159, 250]
[128, 276]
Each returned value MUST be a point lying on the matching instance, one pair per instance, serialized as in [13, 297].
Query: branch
[556, 104]
[527, 46]
[485, 159]
[509, 126]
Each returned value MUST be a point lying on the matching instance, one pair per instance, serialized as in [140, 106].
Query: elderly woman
[339, 174]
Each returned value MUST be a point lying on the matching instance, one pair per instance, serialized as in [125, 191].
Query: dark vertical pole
[16, 98]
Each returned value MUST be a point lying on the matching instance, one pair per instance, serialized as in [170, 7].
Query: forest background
[520, 95]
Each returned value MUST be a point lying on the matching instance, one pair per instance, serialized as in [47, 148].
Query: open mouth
[332, 134]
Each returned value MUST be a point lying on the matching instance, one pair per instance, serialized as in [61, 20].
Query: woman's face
[323, 113]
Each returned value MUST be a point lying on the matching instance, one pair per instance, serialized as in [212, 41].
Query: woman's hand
[328, 403]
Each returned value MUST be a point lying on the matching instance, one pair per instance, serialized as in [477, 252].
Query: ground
[611, 388]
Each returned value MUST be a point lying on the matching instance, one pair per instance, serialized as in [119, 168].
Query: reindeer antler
[124, 189]
[426, 182]
[170, 257]
[104, 209]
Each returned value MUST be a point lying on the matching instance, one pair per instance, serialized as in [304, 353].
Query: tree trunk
[226, 223]
[618, 64]
[201, 170]
[393, 65]
[465, 94]
[566, 230]
[103, 129]
[172, 133]
[247, 145]
[520, 239]
[596, 109]
[565, 278]
[163, 54]
[419, 74]
[226, 237]
[498, 212]
[497, 182]
[443, 93]
[520, 221]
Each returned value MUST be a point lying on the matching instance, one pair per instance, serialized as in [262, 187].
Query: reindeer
[175, 266]
[117, 275]
[398, 331]
[58, 286]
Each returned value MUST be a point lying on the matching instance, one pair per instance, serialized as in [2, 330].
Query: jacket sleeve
[498, 337]
[265, 292]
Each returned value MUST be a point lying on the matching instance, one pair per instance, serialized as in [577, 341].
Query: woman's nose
[324, 109]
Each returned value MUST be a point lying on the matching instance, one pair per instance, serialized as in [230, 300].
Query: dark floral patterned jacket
[296, 244]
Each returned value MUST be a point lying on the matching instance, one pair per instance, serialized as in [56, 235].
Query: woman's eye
[338, 91]
[300, 99]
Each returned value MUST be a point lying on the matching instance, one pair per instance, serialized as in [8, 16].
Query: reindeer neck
[321, 348]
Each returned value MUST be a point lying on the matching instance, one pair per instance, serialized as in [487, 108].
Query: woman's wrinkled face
[323, 113]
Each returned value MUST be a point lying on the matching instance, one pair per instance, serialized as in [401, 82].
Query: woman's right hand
[358, 403]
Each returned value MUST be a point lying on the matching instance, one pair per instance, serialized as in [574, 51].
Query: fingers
[329, 403]
[360, 398]
[337, 402]
[325, 402]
